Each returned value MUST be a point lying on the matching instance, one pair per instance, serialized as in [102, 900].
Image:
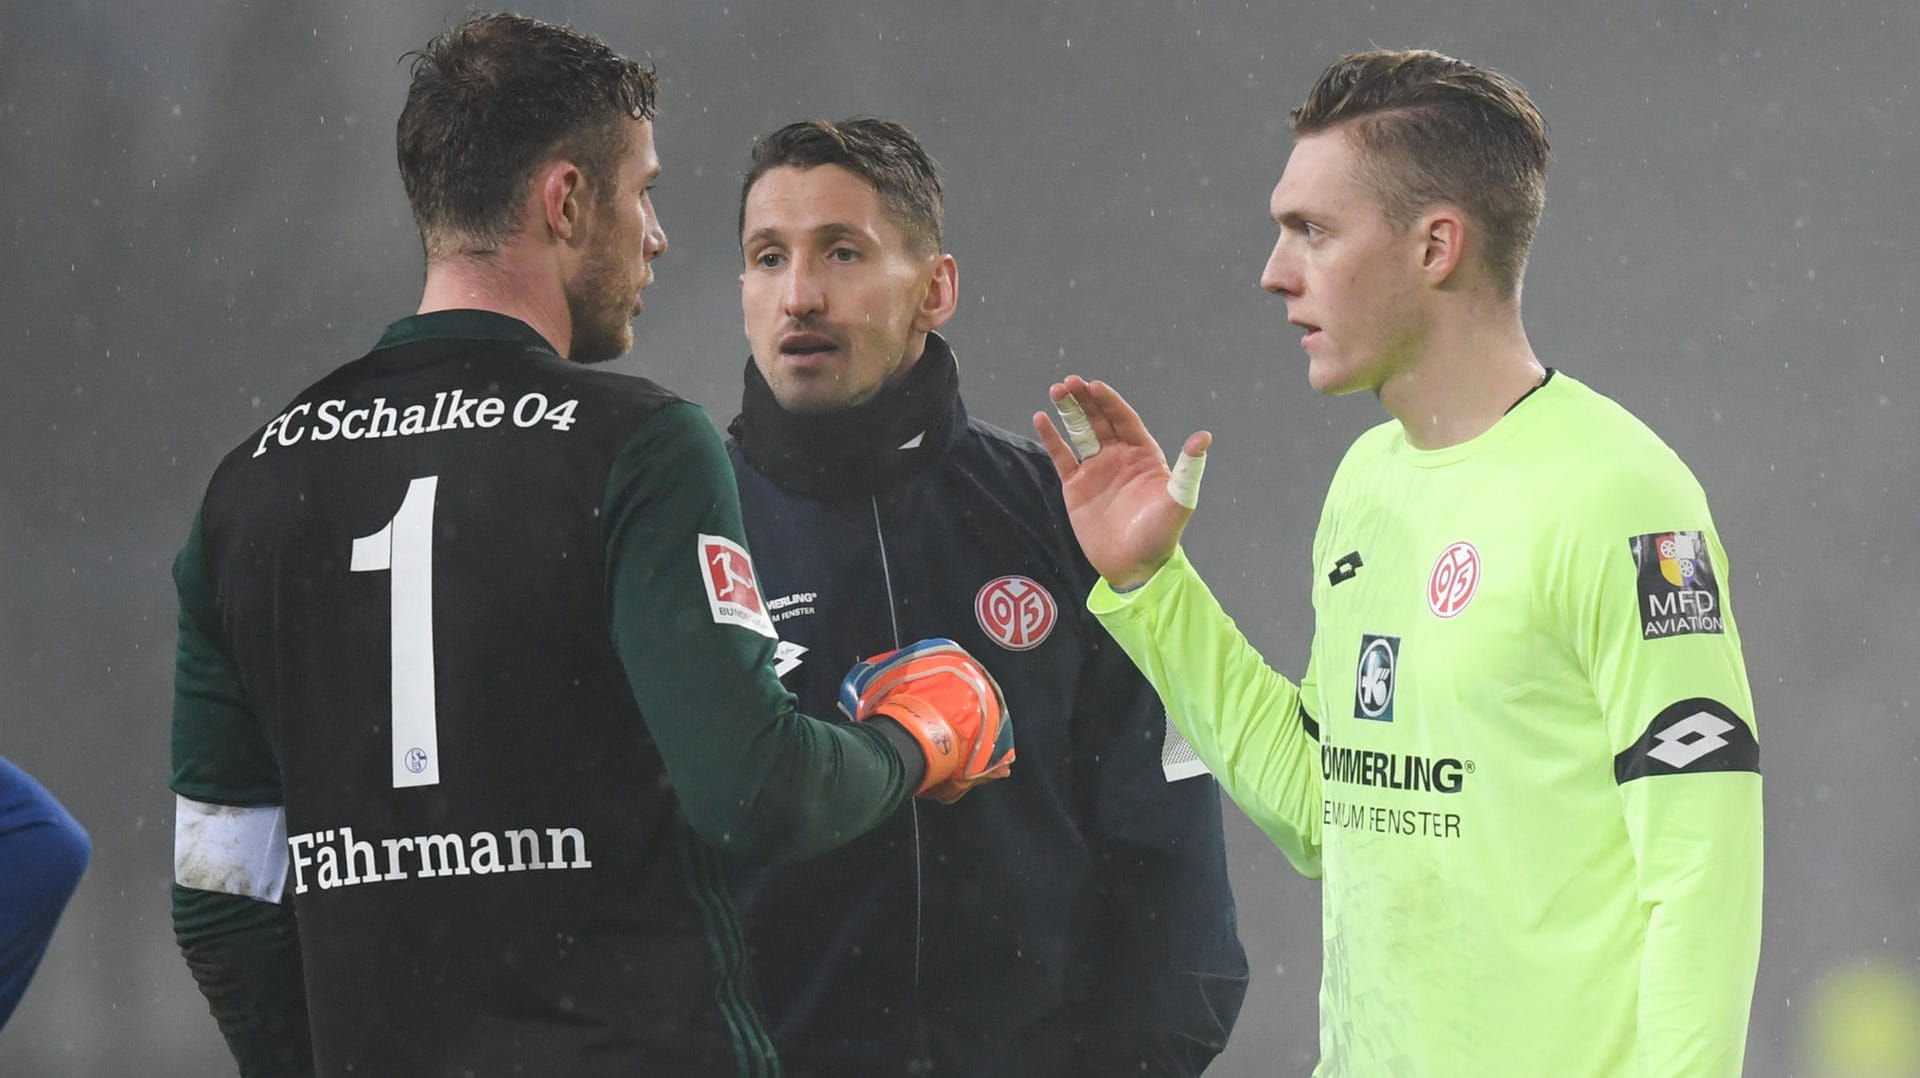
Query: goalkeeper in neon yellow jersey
[1522, 757]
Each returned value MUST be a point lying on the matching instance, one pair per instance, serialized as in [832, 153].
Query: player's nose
[1281, 275]
[802, 293]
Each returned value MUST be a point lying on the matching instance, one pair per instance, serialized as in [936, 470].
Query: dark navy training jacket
[1075, 919]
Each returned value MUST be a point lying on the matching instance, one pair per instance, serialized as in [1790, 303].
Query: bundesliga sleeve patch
[1679, 592]
[732, 591]
[1697, 734]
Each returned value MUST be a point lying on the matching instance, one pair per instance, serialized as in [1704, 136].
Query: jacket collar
[857, 451]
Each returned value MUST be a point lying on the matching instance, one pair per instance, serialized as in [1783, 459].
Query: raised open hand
[1127, 507]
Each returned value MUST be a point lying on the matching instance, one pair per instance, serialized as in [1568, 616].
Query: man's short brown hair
[881, 152]
[492, 100]
[1432, 129]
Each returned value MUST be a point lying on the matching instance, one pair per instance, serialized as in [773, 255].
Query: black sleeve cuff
[912, 759]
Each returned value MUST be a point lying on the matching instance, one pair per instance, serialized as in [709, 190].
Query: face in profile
[837, 301]
[1349, 274]
[603, 298]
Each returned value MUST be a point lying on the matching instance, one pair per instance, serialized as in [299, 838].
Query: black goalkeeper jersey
[484, 622]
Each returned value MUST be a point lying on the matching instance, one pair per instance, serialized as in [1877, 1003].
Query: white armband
[230, 849]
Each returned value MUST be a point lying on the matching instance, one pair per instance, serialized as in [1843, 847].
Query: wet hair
[492, 100]
[881, 152]
[1432, 129]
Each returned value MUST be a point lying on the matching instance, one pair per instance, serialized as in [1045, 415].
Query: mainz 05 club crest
[1016, 612]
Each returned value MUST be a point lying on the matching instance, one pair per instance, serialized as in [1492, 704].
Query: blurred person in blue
[43, 852]
[1073, 920]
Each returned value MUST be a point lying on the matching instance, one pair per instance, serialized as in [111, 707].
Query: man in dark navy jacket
[1092, 885]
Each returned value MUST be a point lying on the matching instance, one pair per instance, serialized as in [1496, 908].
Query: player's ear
[1441, 235]
[561, 189]
[942, 296]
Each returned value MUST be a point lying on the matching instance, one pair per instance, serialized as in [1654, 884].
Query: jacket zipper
[913, 807]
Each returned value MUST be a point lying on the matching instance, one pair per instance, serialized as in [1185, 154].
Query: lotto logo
[1689, 739]
[1016, 612]
[1455, 578]
[732, 591]
[1692, 735]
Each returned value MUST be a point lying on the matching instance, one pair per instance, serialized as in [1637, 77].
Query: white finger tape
[1183, 485]
[1079, 430]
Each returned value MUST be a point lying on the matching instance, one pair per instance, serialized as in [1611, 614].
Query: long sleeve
[1663, 652]
[756, 778]
[43, 852]
[1246, 722]
[239, 939]
[1167, 964]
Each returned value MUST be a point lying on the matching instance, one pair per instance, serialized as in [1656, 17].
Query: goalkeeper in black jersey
[475, 681]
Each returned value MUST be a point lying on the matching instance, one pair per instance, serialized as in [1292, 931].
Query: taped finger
[1079, 430]
[1183, 485]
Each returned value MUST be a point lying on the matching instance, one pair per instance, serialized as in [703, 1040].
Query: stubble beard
[600, 305]
[812, 394]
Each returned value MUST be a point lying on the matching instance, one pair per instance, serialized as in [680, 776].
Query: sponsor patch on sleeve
[1696, 734]
[1679, 591]
[732, 590]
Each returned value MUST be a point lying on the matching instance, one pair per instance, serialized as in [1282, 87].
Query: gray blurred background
[202, 216]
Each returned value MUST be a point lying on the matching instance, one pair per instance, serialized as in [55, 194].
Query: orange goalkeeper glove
[948, 702]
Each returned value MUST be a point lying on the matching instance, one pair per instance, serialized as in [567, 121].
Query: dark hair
[1434, 129]
[494, 98]
[881, 152]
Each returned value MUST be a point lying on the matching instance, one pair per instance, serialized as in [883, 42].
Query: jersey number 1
[404, 550]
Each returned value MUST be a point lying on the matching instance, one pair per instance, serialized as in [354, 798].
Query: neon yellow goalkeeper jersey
[1522, 758]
